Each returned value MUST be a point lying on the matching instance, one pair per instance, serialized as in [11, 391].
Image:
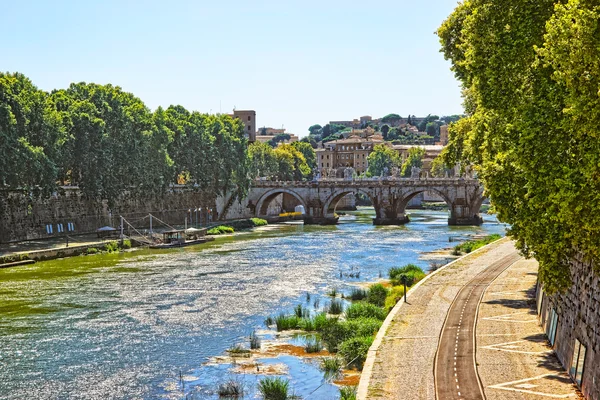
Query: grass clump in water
[332, 293]
[301, 312]
[358, 294]
[220, 230]
[331, 367]
[472, 245]
[348, 393]
[366, 310]
[254, 341]
[377, 294]
[231, 389]
[286, 322]
[335, 307]
[275, 389]
[313, 345]
[269, 321]
[238, 351]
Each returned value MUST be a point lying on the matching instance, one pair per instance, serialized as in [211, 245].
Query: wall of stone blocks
[25, 218]
[578, 311]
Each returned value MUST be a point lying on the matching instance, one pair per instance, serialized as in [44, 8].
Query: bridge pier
[310, 220]
[399, 220]
[475, 220]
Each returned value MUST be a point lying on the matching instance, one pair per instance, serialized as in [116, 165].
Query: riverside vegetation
[241, 225]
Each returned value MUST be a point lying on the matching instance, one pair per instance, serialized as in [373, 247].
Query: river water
[143, 324]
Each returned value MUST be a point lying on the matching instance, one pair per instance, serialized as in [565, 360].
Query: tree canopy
[531, 73]
[382, 159]
[106, 141]
[414, 159]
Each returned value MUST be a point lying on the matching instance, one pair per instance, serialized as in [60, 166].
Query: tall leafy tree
[263, 162]
[382, 159]
[309, 155]
[414, 159]
[531, 74]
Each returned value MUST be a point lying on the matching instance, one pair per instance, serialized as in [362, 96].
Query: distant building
[431, 152]
[248, 117]
[443, 135]
[343, 153]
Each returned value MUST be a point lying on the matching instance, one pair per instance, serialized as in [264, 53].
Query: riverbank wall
[572, 322]
[69, 212]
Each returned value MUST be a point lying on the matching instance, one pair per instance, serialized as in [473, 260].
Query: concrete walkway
[401, 361]
[515, 361]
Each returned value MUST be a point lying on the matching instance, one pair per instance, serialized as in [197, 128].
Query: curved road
[455, 368]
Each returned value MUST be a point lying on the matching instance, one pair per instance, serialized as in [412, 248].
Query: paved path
[455, 365]
[515, 361]
[400, 365]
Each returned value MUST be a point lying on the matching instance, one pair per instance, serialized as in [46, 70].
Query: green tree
[385, 129]
[414, 159]
[309, 155]
[263, 162]
[291, 163]
[391, 118]
[381, 160]
[432, 129]
[531, 126]
[315, 129]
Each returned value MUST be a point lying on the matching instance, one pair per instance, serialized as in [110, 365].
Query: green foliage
[358, 294]
[112, 246]
[281, 137]
[531, 132]
[410, 272]
[313, 345]
[106, 141]
[92, 250]
[366, 310]
[291, 163]
[347, 393]
[472, 245]
[393, 297]
[263, 162]
[383, 158]
[220, 230]
[231, 389]
[309, 154]
[301, 312]
[377, 294]
[331, 367]
[274, 388]
[391, 118]
[126, 244]
[259, 221]
[335, 307]
[354, 350]
[287, 322]
[414, 159]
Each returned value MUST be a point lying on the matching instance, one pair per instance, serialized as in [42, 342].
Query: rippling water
[142, 324]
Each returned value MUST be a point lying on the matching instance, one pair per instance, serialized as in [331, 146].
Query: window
[49, 229]
[71, 227]
[248, 125]
[321, 165]
[552, 326]
[60, 228]
[578, 362]
[328, 156]
[327, 165]
[248, 118]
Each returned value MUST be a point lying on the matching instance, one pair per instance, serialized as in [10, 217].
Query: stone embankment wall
[577, 320]
[24, 218]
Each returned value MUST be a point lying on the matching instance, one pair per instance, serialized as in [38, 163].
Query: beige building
[270, 134]
[248, 117]
[431, 152]
[443, 135]
[350, 152]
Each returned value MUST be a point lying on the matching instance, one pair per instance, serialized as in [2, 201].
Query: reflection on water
[141, 325]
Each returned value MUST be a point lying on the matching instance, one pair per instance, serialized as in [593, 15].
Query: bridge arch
[407, 197]
[265, 200]
[338, 194]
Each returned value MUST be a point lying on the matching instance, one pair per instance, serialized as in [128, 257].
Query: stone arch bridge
[390, 197]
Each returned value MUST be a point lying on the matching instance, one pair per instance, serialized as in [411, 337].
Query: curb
[367, 372]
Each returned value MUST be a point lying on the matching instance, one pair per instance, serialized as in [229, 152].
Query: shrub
[333, 333]
[313, 345]
[92, 250]
[412, 273]
[274, 388]
[472, 245]
[377, 294]
[259, 221]
[254, 341]
[231, 389]
[348, 393]
[320, 320]
[363, 326]
[126, 244]
[220, 230]
[112, 246]
[354, 350]
[286, 322]
[362, 309]
[393, 297]
[335, 307]
[358, 294]
[331, 367]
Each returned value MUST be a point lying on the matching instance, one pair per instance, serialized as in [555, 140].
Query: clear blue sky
[295, 62]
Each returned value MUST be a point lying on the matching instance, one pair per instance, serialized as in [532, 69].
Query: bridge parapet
[340, 182]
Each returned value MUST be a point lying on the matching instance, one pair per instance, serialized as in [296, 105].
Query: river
[143, 324]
